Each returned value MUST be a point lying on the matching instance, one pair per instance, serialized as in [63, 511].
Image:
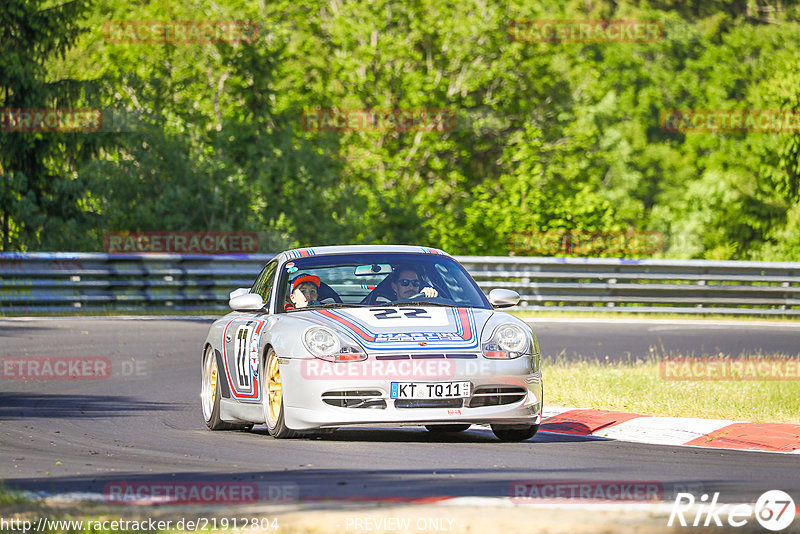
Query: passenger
[305, 289]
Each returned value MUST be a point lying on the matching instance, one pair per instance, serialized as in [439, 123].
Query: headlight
[321, 342]
[511, 338]
[325, 344]
[507, 341]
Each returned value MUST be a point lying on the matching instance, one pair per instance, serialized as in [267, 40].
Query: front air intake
[354, 399]
[496, 396]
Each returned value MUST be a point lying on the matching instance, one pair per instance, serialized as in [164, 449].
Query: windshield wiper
[421, 303]
[337, 305]
[328, 306]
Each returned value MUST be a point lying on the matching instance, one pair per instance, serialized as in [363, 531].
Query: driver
[406, 283]
[305, 288]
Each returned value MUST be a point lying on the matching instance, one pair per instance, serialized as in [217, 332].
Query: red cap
[305, 278]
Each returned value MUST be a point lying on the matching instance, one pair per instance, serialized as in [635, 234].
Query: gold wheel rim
[212, 381]
[209, 385]
[274, 389]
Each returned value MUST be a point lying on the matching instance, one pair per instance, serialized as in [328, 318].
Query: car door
[242, 340]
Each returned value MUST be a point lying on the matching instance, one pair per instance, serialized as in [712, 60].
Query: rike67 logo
[774, 510]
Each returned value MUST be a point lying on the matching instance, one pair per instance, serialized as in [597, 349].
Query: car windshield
[376, 279]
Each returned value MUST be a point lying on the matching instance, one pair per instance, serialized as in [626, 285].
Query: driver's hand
[430, 292]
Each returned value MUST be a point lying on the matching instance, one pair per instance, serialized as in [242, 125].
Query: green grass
[637, 386]
[8, 496]
[527, 314]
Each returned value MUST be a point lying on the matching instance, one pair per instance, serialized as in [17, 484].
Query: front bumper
[308, 396]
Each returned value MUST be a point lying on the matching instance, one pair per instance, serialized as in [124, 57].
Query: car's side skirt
[232, 411]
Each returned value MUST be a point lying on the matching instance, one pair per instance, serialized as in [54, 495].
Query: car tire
[210, 395]
[272, 399]
[447, 428]
[514, 432]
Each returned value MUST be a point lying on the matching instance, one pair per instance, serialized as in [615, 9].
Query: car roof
[355, 249]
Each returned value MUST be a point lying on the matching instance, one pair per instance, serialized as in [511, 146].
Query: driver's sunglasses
[405, 282]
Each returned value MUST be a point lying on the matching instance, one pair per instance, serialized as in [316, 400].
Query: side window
[259, 280]
[265, 280]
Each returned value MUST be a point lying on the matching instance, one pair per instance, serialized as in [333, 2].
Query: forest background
[546, 138]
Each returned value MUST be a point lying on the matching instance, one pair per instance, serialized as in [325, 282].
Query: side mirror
[503, 298]
[241, 291]
[247, 302]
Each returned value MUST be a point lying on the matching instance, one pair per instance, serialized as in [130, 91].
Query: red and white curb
[684, 431]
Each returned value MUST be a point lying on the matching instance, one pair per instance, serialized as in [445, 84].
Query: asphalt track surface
[144, 424]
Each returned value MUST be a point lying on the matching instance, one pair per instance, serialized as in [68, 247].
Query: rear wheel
[272, 399]
[447, 428]
[515, 432]
[210, 395]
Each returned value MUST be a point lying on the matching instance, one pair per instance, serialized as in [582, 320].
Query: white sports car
[370, 335]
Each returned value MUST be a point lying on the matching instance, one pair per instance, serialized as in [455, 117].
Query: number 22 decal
[395, 313]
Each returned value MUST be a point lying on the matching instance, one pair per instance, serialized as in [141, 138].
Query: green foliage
[8, 496]
[39, 187]
[547, 137]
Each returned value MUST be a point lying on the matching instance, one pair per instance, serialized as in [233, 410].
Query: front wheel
[515, 432]
[272, 395]
[210, 395]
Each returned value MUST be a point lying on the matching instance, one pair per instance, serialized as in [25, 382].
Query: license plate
[430, 390]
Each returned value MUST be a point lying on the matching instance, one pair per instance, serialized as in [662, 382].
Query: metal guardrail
[643, 285]
[65, 281]
[34, 282]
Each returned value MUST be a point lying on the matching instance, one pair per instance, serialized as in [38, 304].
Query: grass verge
[8, 496]
[637, 386]
[373, 517]
[526, 314]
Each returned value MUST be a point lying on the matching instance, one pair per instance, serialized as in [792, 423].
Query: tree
[41, 192]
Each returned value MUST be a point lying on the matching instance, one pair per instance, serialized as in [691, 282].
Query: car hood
[407, 328]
